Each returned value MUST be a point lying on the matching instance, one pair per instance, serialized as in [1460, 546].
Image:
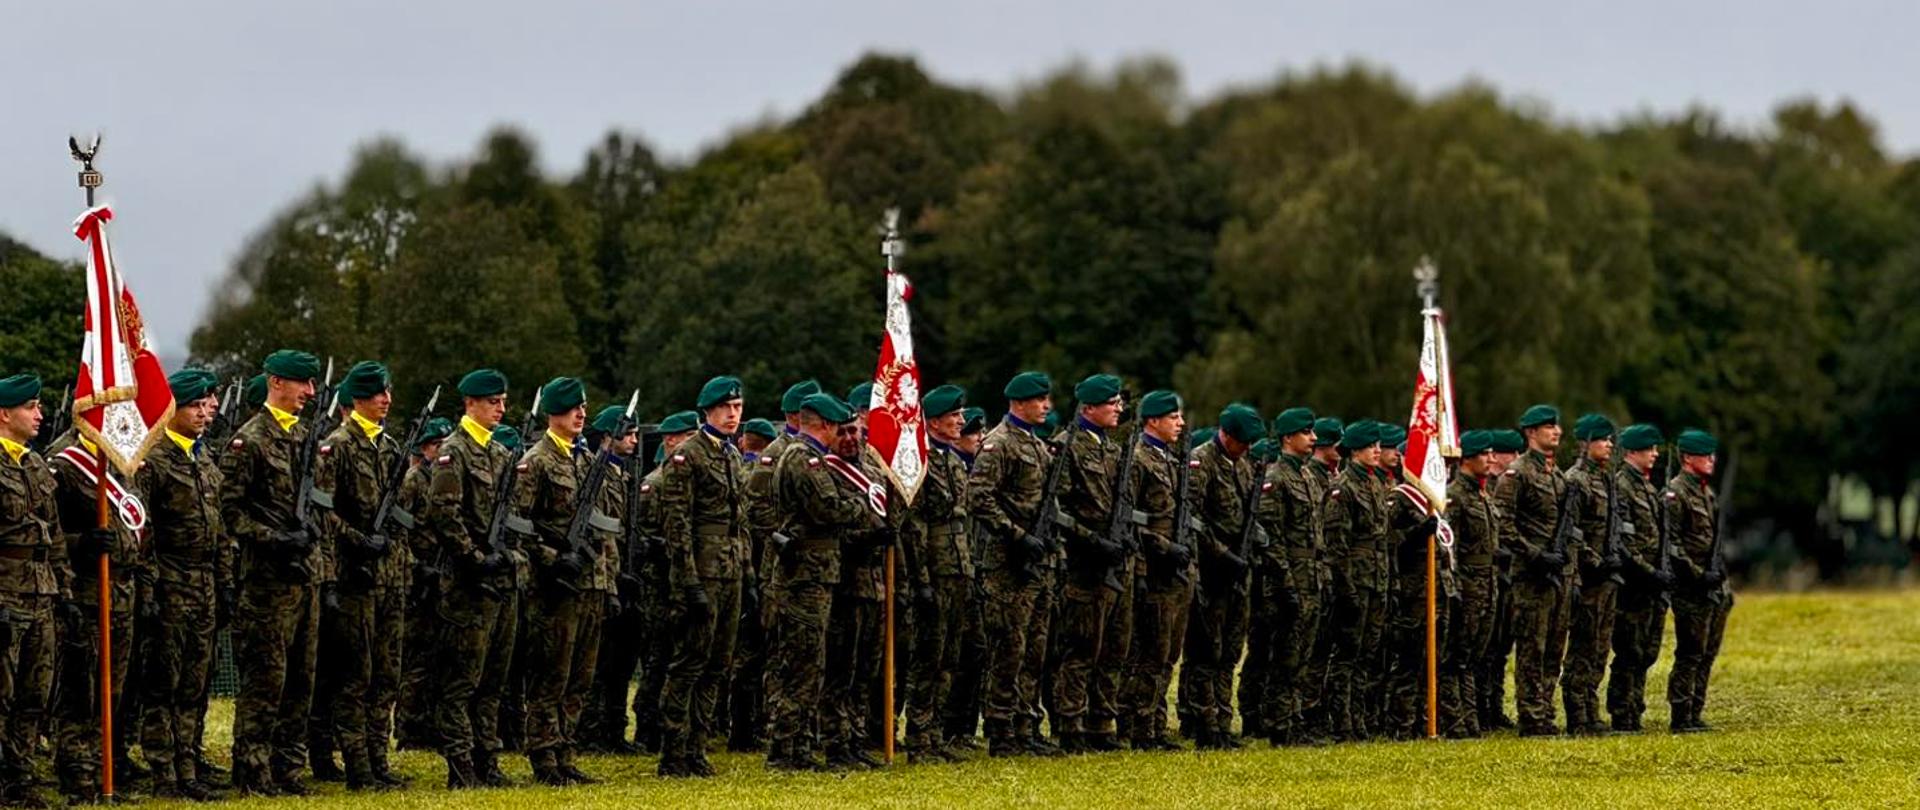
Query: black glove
[694, 599]
[296, 542]
[329, 597]
[1232, 564]
[71, 616]
[628, 584]
[1030, 547]
[1548, 563]
[487, 563]
[376, 545]
[1662, 578]
[883, 537]
[1713, 577]
[1179, 556]
[614, 605]
[568, 567]
[423, 571]
[95, 542]
[1502, 554]
[225, 603]
[923, 601]
[1419, 532]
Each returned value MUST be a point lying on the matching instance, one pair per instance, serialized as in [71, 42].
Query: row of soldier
[478, 589]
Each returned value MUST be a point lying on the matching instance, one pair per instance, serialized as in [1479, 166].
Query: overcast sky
[217, 113]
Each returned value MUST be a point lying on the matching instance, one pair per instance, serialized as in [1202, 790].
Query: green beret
[1539, 415]
[860, 397]
[827, 407]
[366, 380]
[1640, 437]
[1475, 442]
[482, 383]
[760, 427]
[437, 429]
[1048, 426]
[1202, 436]
[1508, 441]
[1592, 426]
[190, 384]
[790, 401]
[679, 423]
[942, 401]
[1360, 435]
[19, 390]
[717, 391]
[1697, 442]
[1327, 431]
[507, 437]
[562, 394]
[292, 365]
[1392, 435]
[1265, 450]
[1159, 403]
[1291, 421]
[255, 393]
[1243, 423]
[1028, 385]
[608, 420]
[1097, 389]
[976, 421]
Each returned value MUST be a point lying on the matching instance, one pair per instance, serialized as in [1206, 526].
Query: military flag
[894, 425]
[122, 399]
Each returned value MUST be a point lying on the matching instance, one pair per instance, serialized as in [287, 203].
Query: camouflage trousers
[1096, 628]
[275, 643]
[343, 704]
[1160, 613]
[563, 645]
[1256, 670]
[965, 693]
[179, 655]
[1293, 626]
[853, 671]
[655, 652]
[1637, 631]
[27, 657]
[746, 699]
[389, 654]
[419, 682]
[796, 668]
[1018, 612]
[1490, 677]
[76, 711]
[938, 640]
[1406, 715]
[697, 667]
[474, 653]
[1589, 639]
[1216, 638]
[1699, 623]
[1470, 633]
[1357, 628]
[1540, 612]
[622, 637]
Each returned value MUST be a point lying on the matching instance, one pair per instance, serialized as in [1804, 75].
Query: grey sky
[217, 113]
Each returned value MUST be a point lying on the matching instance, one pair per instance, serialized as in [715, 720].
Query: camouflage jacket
[1220, 486]
[1692, 509]
[1529, 498]
[763, 503]
[1155, 477]
[937, 530]
[29, 526]
[1004, 489]
[190, 544]
[79, 512]
[1589, 478]
[612, 528]
[650, 555]
[545, 493]
[701, 504]
[460, 502]
[353, 469]
[1291, 512]
[1356, 527]
[1640, 528]
[257, 498]
[1475, 522]
[421, 546]
[820, 512]
[1090, 483]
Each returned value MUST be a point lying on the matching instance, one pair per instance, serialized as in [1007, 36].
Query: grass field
[1816, 697]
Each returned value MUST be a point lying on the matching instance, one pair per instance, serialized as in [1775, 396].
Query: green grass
[1816, 697]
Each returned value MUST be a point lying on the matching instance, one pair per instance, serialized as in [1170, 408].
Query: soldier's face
[1389, 457]
[375, 407]
[672, 441]
[947, 427]
[1105, 414]
[192, 418]
[1167, 428]
[569, 424]
[284, 392]
[487, 411]
[1600, 449]
[1700, 466]
[21, 423]
[1476, 466]
[1500, 461]
[725, 417]
[846, 440]
[430, 450]
[1642, 460]
[1031, 411]
[1367, 456]
[625, 445]
[1544, 438]
[970, 443]
[753, 443]
[1299, 443]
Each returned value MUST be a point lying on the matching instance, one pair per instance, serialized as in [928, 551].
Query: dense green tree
[40, 315]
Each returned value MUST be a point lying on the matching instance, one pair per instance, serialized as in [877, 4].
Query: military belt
[1364, 551]
[601, 521]
[1160, 525]
[949, 529]
[195, 555]
[34, 553]
[1476, 559]
[1300, 554]
[821, 543]
[713, 530]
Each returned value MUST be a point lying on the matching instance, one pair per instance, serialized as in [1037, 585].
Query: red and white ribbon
[133, 513]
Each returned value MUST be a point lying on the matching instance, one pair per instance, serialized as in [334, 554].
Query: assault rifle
[1120, 521]
[397, 474]
[61, 421]
[631, 584]
[587, 517]
[1566, 529]
[1664, 566]
[1252, 534]
[1616, 526]
[1182, 509]
[1047, 520]
[1714, 560]
[326, 411]
[503, 517]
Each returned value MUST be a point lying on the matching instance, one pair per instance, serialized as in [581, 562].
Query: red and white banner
[894, 426]
[121, 399]
[875, 492]
[133, 513]
[1432, 436]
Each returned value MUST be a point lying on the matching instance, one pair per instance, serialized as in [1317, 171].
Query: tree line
[1253, 246]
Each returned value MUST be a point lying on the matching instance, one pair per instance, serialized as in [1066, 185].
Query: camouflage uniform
[34, 578]
[747, 726]
[1590, 625]
[1096, 609]
[1004, 492]
[1530, 500]
[1356, 533]
[1294, 594]
[193, 564]
[701, 500]
[353, 469]
[1642, 604]
[1700, 605]
[651, 560]
[623, 631]
[1331, 559]
[854, 637]
[1163, 598]
[1476, 536]
[276, 627]
[1218, 631]
[558, 665]
[600, 603]
[479, 606]
[940, 563]
[419, 688]
[1490, 678]
[1407, 631]
[818, 514]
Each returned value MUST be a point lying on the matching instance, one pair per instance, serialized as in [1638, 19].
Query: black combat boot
[572, 772]
[460, 775]
[486, 766]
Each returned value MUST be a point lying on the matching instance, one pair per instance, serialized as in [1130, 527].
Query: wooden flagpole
[90, 180]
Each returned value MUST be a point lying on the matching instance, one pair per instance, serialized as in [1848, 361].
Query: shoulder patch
[326, 449]
[239, 443]
[443, 460]
[679, 458]
[986, 448]
[521, 467]
[813, 462]
[1266, 486]
[1193, 463]
[646, 487]
[766, 461]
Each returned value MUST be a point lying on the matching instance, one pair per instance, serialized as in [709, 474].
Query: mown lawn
[1816, 697]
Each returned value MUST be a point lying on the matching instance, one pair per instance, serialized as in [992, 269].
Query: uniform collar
[560, 443]
[713, 433]
[480, 435]
[1099, 433]
[1020, 423]
[1297, 461]
[1153, 441]
[14, 450]
[285, 420]
[815, 444]
[186, 444]
[367, 426]
[1540, 458]
[940, 445]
